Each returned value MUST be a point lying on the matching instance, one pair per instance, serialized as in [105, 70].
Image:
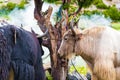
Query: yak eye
[65, 38]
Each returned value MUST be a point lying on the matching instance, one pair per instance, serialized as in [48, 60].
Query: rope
[77, 71]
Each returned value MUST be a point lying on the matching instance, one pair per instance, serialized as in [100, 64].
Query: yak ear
[13, 30]
[79, 36]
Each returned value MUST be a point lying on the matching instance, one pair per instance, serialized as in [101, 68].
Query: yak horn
[71, 27]
[15, 38]
[40, 36]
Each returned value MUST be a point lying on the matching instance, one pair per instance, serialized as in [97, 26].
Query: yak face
[68, 45]
[66, 48]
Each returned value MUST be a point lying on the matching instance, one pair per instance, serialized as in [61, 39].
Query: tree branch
[37, 10]
[78, 11]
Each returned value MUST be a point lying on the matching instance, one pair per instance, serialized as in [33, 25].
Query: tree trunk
[53, 40]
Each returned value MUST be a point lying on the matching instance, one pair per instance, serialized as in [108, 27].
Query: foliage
[49, 77]
[97, 1]
[66, 6]
[82, 70]
[4, 13]
[99, 4]
[21, 5]
[73, 3]
[85, 3]
[50, 1]
[6, 9]
[108, 11]
[10, 6]
[116, 26]
[113, 13]
[102, 6]
[89, 13]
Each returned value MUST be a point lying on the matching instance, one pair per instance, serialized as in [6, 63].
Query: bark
[54, 36]
[53, 39]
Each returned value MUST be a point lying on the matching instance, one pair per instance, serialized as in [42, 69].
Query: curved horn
[71, 27]
[40, 36]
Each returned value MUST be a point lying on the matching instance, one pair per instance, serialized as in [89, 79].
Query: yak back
[25, 52]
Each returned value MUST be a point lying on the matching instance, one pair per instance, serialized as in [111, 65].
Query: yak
[20, 54]
[98, 46]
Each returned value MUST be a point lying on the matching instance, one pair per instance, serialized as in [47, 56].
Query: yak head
[69, 44]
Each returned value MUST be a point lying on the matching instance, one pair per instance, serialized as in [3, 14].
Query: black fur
[4, 58]
[23, 54]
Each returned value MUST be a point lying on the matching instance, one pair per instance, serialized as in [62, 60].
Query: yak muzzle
[63, 60]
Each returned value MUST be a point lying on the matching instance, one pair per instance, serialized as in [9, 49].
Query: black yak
[20, 55]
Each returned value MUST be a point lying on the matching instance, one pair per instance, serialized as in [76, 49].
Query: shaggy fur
[21, 52]
[99, 46]
[4, 58]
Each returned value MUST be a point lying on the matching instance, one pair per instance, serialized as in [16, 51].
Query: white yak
[98, 46]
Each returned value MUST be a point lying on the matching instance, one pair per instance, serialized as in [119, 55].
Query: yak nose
[59, 54]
